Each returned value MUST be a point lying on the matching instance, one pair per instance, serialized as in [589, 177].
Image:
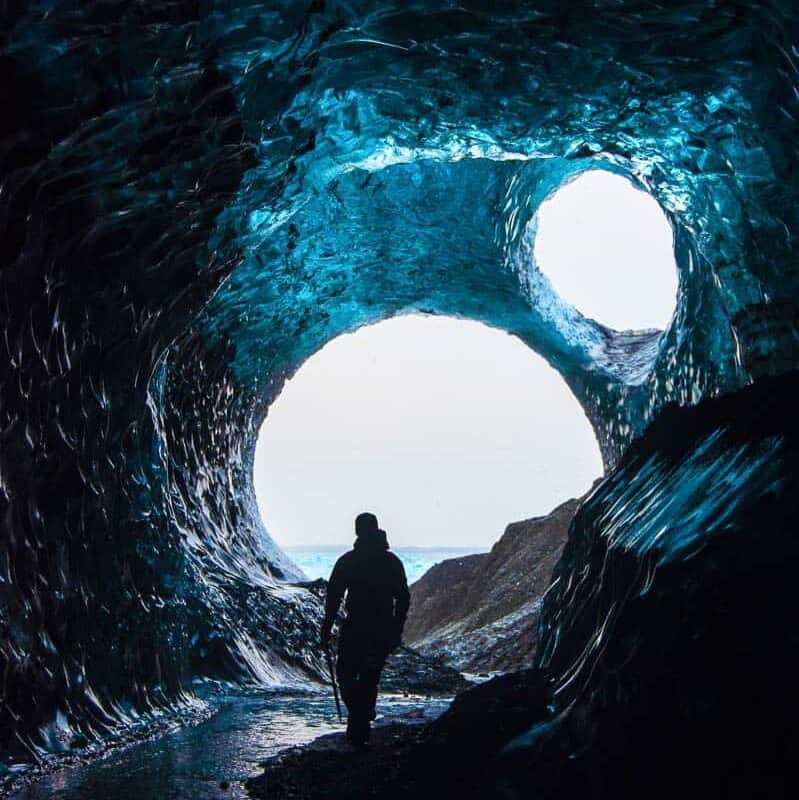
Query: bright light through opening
[607, 249]
[447, 429]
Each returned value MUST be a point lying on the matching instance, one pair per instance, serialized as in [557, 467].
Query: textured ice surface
[194, 197]
[668, 630]
[725, 473]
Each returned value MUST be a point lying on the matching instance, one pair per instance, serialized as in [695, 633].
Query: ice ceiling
[197, 196]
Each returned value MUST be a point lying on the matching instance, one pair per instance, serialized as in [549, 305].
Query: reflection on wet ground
[213, 758]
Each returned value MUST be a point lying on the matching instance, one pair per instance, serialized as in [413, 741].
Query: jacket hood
[374, 541]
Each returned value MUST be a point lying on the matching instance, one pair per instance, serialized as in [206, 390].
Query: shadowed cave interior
[197, 196]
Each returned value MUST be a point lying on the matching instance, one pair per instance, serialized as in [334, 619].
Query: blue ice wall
[668, 630]
[197, 196]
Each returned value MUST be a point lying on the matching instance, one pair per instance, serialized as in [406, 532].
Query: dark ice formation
[194, 197]
[669, 630]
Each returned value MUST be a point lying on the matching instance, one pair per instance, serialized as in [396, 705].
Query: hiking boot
[359, 732]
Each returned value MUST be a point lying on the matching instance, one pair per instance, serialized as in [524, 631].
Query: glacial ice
[194, 197]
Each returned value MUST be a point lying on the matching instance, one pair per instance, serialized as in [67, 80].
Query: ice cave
[196, 196]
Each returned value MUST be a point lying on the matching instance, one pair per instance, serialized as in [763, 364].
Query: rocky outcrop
[480, 613]
[409, 672]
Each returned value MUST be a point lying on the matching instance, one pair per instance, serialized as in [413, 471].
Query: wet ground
[211, 760]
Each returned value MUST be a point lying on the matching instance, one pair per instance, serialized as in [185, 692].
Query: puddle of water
[190, 763]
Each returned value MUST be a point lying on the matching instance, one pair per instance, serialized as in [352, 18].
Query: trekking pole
[333, 681]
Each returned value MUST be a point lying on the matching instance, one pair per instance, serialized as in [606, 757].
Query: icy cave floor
[212, 759]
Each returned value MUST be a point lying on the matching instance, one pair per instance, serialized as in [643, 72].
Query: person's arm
[402, 601]
[336, 587]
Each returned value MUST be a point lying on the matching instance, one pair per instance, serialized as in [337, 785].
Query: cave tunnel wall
[197, 196]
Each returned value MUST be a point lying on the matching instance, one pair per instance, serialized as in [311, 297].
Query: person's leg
[373, 663]
[359, 712]
[360, 706]
[347, 674]
[350, 670]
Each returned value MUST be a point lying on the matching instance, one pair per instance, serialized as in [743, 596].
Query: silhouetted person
[377, 604]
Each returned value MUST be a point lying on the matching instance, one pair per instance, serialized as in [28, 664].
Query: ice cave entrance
[608, 250]
[447, 429]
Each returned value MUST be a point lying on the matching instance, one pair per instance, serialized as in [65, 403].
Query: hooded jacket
[376, 587]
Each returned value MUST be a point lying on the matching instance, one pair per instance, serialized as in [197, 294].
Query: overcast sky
[448, 429]
[608, 249]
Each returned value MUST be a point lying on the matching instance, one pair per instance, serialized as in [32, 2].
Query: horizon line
[392, 547]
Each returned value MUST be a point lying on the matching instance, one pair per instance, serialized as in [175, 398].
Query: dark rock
[480, 721]
[480, 613]
[409, 672]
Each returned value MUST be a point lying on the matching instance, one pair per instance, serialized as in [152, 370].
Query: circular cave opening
[607, 248]
[447, 429]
